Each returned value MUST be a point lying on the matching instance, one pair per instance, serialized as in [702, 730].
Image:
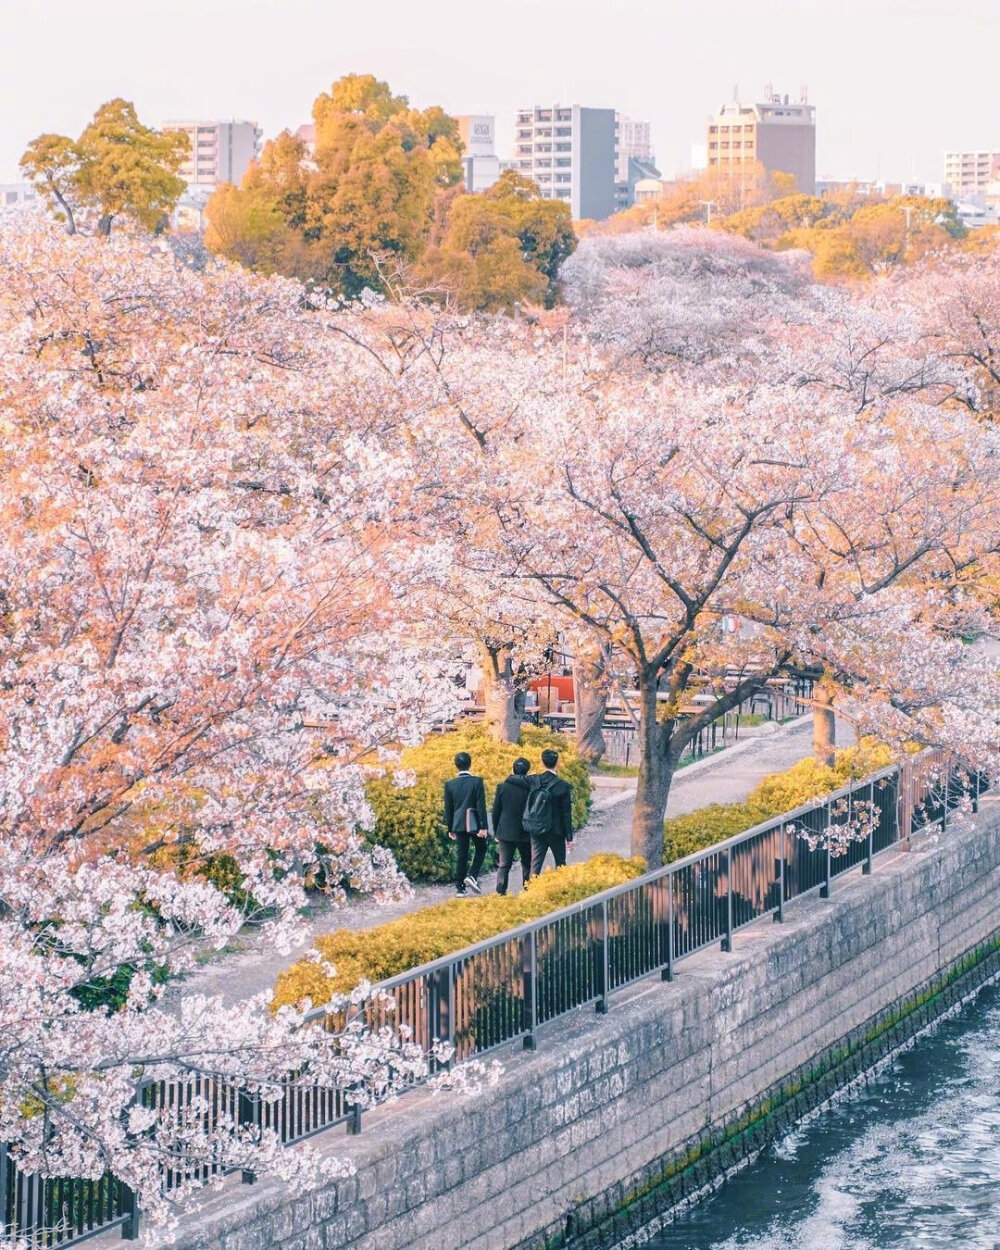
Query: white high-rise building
[633, 140]
[570, 152]
[969, 174]
[478, 134]
[220, 151]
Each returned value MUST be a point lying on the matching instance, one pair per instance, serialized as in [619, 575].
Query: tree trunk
[824, 725]
[656, 771]
[502, 696]
[590, 704]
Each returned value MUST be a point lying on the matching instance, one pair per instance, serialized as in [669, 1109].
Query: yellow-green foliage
[409, 820]
[388, 949]
[774, 794]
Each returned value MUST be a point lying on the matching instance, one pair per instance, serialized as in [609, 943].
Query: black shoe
[460, 893]
[473, 885]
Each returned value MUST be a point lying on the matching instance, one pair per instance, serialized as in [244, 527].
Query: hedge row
[417, 938]
[776, 793]
[409, 820]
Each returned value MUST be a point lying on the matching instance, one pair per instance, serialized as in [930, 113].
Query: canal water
[912, 1162]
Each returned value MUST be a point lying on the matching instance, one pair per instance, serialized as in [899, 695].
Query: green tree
[366, 196]
[499, 248]
[117, 168]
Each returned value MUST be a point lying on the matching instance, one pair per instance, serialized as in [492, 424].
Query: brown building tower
[780, 135]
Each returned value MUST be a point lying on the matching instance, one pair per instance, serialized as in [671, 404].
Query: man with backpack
[465, 820]
[508, 823]
[548, 814]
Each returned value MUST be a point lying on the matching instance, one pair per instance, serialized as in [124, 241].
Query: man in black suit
[465, 820]
[559, 836]
[508, 829]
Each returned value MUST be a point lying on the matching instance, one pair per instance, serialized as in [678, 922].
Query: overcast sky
[895, 82]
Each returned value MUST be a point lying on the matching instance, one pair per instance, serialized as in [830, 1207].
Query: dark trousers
[507, 852]
[540, 848]
[478, 855]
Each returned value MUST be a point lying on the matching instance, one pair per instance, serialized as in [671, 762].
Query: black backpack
[539, 813]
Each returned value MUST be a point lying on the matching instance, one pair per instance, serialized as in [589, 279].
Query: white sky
[895, 82]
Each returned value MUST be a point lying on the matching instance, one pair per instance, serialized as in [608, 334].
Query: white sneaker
[473, 885]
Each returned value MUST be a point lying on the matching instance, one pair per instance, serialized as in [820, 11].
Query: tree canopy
[116, 168]
[500, 248]
[364, 198]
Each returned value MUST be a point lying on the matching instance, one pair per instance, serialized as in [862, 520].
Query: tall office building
[780, 135]
[220, 151]
[969, 174]
[570, 153]
[632, 141]
[478, 134]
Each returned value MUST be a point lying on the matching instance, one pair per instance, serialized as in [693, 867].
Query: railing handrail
[615, 891]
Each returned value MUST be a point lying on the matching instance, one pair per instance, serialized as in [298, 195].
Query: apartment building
[633, 141]
[220, 151]
[969, 174]
[779, 134]
[15, 193]
[570, 152]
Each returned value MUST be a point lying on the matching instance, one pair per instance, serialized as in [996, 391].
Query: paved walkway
[247, 967]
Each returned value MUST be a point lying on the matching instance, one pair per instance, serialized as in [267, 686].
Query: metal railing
[506, 988]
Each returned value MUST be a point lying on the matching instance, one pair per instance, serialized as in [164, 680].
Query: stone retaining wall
[615, 1116]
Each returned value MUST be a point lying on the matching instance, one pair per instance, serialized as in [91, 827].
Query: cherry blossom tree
[682, 297]
[203, 649]
[639, 507]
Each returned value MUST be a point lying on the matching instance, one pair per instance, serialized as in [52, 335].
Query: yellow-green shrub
[409, 820]
[420, 936]
[774, 794]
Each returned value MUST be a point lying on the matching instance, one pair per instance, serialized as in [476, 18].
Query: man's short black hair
[521, 767]
[462, 761]
[550, 758]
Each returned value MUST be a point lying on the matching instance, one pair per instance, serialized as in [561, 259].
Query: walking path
[247, 967]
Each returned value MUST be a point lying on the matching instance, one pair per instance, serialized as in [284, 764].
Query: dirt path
[247, 968]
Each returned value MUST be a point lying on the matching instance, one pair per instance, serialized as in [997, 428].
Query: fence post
[602, 1001]
[248, 1116]
[444, 1022]
[6, 1178]
[947, 791]
[824, 889]
[904, 805]
[354, 1120]
[867, 866]
[130, 1208]
[529, 969]
[668, 972]
[727, 941]
[779, 915]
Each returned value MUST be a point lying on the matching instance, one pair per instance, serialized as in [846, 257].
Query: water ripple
[910, 1163]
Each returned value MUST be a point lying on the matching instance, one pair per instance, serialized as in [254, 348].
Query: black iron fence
[507, 988]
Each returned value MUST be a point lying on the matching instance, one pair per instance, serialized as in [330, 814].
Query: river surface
[913, 1161]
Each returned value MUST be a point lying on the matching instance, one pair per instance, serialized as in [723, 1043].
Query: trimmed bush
[410, 820]
[774, 794]
[419, 937]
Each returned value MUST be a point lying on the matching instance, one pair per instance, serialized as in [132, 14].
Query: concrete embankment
[616, 1117]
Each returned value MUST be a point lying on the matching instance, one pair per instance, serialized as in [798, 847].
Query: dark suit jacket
[508, 810]
[464, 793]
[562, 802]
